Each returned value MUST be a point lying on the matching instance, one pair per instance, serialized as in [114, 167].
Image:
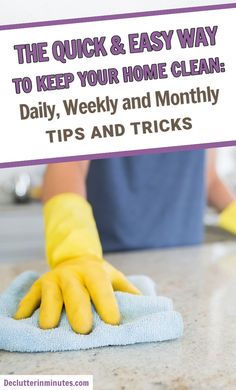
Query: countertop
[202, 283]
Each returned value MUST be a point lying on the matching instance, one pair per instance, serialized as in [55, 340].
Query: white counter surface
[202, 283]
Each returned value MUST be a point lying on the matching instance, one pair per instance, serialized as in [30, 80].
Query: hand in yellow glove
[227, 218]
[79, 273]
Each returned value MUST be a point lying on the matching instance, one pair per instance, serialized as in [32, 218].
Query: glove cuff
[70, 229]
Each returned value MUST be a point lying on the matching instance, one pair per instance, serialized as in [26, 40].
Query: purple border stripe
[118, 16]
[118, 154]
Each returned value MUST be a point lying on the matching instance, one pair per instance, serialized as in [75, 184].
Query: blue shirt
[148, 201]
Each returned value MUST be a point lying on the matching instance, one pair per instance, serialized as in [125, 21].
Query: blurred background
[21, 222]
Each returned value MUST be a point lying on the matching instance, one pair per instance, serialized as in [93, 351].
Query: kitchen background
[21, 222]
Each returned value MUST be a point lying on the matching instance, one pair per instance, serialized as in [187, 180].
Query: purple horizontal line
[118, 16]
[118, 154]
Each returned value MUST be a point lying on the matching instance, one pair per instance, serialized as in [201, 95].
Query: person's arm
[65, 177]
[79, 274]
[220, 196]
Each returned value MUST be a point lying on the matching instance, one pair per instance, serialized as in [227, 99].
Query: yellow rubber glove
[227, 219]
[79, 273]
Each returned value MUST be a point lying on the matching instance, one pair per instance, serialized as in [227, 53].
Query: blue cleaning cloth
[147, 318]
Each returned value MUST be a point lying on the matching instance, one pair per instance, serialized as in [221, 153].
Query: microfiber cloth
[145, 318]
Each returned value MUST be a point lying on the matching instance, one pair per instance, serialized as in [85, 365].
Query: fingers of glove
[121, 283]
[77, 303]
[30, 302]
[103, 297]
[51, 304]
